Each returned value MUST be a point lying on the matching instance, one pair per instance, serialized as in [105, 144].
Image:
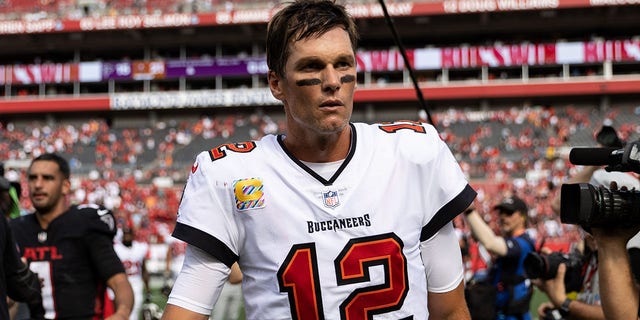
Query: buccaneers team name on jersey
[337, 224]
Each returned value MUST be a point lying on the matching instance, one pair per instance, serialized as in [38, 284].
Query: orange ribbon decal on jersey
[248, 193]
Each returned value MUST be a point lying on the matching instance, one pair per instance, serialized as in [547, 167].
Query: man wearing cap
[507, 272]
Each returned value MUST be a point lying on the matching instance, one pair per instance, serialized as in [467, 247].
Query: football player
[133, 255]
[334, 220]
[70, 247]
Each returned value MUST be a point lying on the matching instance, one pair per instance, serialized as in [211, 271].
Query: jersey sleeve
[205, 218]
[97, 218]
[98, 237]
[517, 245]
[103, 255]
[188, 291]
[442, 260]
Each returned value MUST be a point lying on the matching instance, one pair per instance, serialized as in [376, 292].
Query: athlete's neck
[46, 216]
[518, 232]
[319, 148]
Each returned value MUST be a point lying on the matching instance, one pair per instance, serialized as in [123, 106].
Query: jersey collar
[352, 150]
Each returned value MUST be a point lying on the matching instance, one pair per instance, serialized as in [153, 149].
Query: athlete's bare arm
[235, 276]
[123, 295]
[449, 305]
[175, 312]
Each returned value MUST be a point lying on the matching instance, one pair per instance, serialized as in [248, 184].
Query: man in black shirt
[16, 280]
[70, 247]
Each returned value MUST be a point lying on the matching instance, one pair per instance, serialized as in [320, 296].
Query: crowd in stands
[123, 168]
[74, 10]
[138, 171]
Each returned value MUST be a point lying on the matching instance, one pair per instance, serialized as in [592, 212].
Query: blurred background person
[133, 255]
[17, 282]
[583, 301]
[230, 301]
[173, 262]
[506, 275]
[573, 292]
[13, 209]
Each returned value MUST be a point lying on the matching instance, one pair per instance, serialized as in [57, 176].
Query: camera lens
[535, 266]
[586, 205]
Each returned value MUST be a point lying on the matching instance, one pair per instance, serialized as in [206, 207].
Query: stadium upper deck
[122, 55]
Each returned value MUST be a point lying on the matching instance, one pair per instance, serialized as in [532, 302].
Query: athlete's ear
[66, 186]
[275, 84]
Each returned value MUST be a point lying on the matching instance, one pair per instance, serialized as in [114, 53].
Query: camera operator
[514, 291]
[597, 175]
[581, 301]
[618, 289]
[587, 301]
[618, 284]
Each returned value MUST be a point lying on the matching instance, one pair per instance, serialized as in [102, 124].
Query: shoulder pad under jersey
[418, 142]
[97, 218]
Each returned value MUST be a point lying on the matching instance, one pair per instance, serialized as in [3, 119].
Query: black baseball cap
[513, 204]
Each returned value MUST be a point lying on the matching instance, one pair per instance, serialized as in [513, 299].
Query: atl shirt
[346, 247]
[73, 258]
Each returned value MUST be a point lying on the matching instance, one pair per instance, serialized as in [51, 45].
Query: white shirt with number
[347, 247]
[133, 258]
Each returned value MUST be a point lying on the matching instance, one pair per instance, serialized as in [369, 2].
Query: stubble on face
[46, 186]
[318, 85]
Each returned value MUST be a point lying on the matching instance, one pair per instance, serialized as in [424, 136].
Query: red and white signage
[246, 16]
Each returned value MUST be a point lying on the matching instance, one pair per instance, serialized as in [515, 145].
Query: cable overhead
[403, 52]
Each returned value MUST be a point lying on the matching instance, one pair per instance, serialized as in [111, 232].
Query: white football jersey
[133, 258]
[311, 248]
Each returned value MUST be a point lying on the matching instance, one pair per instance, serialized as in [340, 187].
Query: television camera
[588, 205]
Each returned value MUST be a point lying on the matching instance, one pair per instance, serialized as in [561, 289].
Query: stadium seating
[507, 132]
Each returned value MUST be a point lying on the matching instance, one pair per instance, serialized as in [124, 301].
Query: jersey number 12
[298, 276]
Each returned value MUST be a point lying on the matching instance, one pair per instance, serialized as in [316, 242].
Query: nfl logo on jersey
[331, 199]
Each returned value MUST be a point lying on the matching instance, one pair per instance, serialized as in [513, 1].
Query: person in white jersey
[173, 261]
[133, 255]
[334, 220]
